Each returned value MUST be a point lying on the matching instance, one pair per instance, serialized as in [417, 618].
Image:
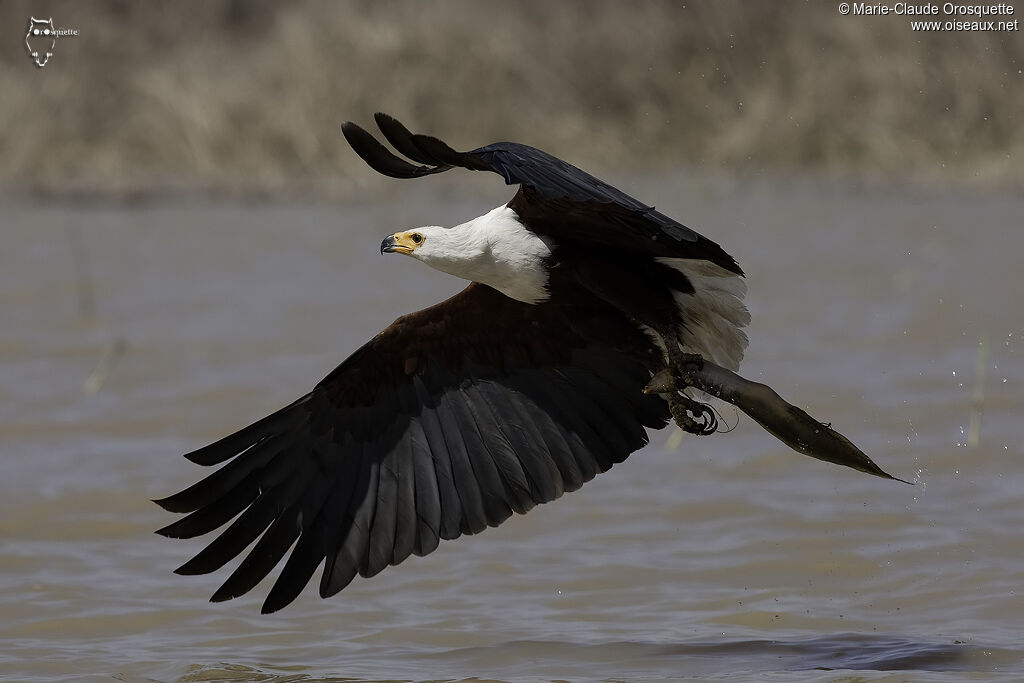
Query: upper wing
[555, 197]
[443, 424]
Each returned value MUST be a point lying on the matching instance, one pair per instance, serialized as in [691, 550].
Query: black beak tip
[388, 244]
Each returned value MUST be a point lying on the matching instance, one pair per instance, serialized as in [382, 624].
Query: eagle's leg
[690, 415]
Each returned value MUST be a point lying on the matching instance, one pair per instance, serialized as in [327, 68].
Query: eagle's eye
[416, 238]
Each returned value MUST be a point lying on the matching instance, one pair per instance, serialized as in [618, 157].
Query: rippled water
[131, 335]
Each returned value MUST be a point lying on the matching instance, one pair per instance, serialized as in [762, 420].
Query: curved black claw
[709, 419]
[692, 416]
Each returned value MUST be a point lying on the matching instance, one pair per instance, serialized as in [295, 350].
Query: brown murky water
[894, 313]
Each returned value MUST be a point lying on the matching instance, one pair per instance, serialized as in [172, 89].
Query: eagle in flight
[590, 317]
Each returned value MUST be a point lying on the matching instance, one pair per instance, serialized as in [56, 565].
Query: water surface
[890, 312]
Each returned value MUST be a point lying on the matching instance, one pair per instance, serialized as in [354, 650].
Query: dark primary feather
[379, 158]
[443, 424]
[555, 198]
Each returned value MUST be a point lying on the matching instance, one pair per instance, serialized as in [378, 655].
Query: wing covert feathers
[375, 464]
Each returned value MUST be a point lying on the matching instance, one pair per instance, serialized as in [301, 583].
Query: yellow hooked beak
[402, 242]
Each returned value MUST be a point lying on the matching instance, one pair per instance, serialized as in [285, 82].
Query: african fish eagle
[589, 318]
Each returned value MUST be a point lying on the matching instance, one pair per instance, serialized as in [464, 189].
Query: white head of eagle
[494, 249]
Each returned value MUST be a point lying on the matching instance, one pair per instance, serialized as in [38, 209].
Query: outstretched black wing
[555, 198]
[445, 423]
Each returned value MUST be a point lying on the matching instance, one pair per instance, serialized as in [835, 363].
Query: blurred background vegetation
[247, 98]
